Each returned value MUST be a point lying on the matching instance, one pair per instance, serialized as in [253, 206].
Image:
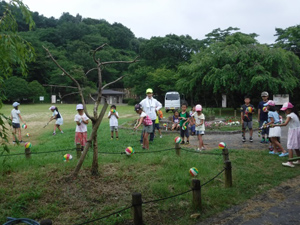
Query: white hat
[15, 104]
[52, 107]
[79, 106]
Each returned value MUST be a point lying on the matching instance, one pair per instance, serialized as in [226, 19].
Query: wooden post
[228, 174]
[196, 185]
[137, 208]
[225, 153]
[177, 148]
[27, 153]
[78, 150]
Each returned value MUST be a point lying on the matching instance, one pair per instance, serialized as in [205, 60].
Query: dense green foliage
[199, 69]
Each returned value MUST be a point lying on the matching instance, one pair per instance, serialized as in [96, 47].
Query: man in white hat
[150, 105]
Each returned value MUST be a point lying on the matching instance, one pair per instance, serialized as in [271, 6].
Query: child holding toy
[246, 118]
[147, 122]
[81, 126]
[184, 118]
[200, 126]
[58, 117]
[113, 117]
[293, 140]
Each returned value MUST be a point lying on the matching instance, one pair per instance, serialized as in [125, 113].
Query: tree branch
[96, 50]
[92, 98]
[112, 62]
[50, 85]
[90, 71]
[106, 85]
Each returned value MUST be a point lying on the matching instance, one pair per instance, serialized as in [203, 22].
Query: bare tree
[96, 117]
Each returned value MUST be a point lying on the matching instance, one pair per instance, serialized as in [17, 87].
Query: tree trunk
[95, 166]
[89, 143]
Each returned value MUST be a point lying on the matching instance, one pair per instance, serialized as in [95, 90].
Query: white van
[172, 101]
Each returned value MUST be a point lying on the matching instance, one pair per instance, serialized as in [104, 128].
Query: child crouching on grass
[81, 126]
[147, 122]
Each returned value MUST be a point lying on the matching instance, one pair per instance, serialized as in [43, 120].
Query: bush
[132, 101]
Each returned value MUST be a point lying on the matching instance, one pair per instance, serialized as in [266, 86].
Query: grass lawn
[36, 189]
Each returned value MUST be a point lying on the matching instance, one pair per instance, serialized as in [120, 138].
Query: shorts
[275, 132]
[113, 128]
[247, 124]
[59, 121]
[200, 132]
[184, 132]
[156, 126]
[15, 125]
[148, 129]
[81, 138]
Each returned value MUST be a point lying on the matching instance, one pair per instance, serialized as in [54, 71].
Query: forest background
[225, 62]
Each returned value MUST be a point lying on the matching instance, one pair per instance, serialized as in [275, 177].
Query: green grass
[36, 189]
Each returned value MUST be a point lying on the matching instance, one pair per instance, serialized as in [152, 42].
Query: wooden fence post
[27, 153]
[137, 208]
[228, 174]
[196, 185]
[177, 148]
[225, 153]
[78, 150]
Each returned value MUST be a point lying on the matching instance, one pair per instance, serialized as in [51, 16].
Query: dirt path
[280, 205]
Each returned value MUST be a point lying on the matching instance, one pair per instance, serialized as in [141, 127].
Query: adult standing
[263, 117]
[150, 105]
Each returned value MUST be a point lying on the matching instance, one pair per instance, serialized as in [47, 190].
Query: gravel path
[270, 208]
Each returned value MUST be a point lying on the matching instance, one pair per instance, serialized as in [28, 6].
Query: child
[192, 121]
[15, 118]
[113, 117]
[263, 117]
[200, 126]
[246, 118]
[156, 124]
[175, 121]
[81, 129]
[184, 118]
[58, 117]
[275, 131]
[293, 142]
[147, 122]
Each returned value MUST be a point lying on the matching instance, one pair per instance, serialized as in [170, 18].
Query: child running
[200, 126]
[275, 131]
[147, 122]
[293, 140]
[175, 121]
[184, 117]
[81, 129]
[58, 117]
[113, 117]
[15, 118]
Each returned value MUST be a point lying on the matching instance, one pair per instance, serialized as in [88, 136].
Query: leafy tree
[240, 66]
[16, 88]
[35, 90]
[289, 39]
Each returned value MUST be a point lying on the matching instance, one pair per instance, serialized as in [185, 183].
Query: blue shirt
[273, 115]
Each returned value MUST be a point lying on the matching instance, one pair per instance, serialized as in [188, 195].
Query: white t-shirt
[113, 120]
[198, 121]
[15, 116]
[82, 127]
[294, 121]
[150, 106]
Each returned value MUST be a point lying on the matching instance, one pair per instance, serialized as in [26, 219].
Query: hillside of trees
[225, 62]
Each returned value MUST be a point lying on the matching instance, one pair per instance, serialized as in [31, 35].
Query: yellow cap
[149, 90]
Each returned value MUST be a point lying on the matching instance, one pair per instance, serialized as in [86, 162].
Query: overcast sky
[147, 18]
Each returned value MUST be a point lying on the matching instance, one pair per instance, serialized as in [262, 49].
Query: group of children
[268, 117]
